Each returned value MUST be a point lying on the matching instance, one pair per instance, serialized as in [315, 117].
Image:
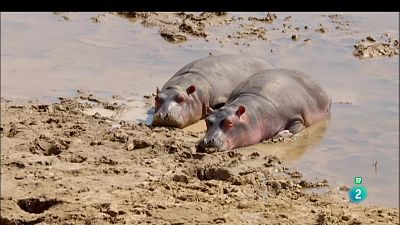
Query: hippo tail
[322, 113]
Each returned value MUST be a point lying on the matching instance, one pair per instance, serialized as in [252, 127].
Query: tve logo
[358, 193]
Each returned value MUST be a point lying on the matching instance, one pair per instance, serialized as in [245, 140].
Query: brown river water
[44, 57]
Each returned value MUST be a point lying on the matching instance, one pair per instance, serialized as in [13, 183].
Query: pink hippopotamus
[207, 82]
[267, 103]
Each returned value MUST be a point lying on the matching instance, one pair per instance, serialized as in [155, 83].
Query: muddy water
[44, 56]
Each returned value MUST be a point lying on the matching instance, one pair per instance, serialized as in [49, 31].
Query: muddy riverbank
[63, 166]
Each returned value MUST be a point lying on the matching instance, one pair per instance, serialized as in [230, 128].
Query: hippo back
[290, 92]
[222, 73]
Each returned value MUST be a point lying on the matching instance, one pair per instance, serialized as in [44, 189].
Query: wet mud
[63, 166]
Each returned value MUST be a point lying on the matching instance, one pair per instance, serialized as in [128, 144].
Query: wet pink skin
[268, 102]
[239, 137]
[231, 129]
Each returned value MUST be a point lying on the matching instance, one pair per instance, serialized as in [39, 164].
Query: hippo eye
[228, 123]
[179, 99]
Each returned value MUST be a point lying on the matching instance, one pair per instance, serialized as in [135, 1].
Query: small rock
[161, 206]
[275, 185]
[177, 223]
[287, 18]
[214, 173]
[371, 39]
[322, 29]
[283, 216]
[180, 178]
[97, 115]
[130, 147]
[98, 18]
[254, 155]
[345, 217]
[344, 188]
[219, 220]
[139, 144]
[19, 177]
[295, 37]
[307, 41]
[271, 160]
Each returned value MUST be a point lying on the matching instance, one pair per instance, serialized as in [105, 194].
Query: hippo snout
[163, 116]
[158, 116]
[209, 145]
[166, 119]
[207, 142]
[169, 117]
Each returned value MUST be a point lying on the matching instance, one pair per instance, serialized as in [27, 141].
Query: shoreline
[78, 169]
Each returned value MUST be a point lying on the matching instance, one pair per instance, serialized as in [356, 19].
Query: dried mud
[369, 47]
[62, 166]
[178, 27]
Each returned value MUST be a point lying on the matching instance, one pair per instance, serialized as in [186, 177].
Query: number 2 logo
[358, 194]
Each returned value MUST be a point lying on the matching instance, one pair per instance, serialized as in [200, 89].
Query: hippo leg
[284, 134]
[296, 126]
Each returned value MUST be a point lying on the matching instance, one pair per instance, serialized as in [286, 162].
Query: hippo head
[226, 128]
[176, 107]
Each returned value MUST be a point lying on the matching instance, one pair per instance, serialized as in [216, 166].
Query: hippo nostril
[201, 142]
[207, 142]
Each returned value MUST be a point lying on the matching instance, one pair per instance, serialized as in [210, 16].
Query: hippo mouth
[210, 146]
[167, 120]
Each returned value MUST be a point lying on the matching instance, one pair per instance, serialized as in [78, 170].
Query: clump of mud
[250, 32]
[370, 48]
[268, 19]
[176, 27]
[342, 20]
[63, 166]
[322, 29]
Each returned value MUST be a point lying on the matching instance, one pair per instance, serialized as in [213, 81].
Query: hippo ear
[190, 89]
[209, 110]
[157, 90]
[240, 111]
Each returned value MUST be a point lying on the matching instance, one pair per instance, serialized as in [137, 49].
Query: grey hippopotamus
[267, 103]
[207, 82]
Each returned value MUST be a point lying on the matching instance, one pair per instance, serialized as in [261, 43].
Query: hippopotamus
[267, 103]
[207, 82]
